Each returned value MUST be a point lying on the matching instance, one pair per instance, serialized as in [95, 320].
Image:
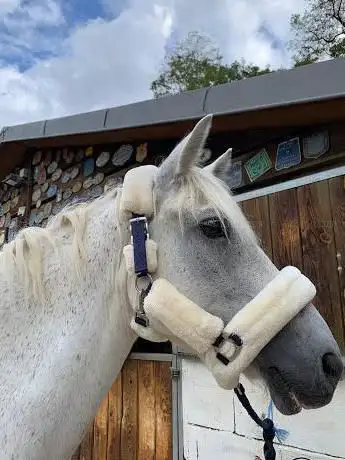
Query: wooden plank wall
[134, 421]
[305, 227]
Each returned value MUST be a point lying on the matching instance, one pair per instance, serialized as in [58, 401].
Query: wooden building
[288, 173]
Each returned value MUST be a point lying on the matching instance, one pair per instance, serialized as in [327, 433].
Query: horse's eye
[212, 227]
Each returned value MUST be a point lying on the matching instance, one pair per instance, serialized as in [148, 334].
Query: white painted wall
[215, 427]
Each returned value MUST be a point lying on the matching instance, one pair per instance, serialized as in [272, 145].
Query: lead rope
[267, 425]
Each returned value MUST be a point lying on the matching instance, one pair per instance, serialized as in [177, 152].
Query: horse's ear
[221, 165]
[188, 151]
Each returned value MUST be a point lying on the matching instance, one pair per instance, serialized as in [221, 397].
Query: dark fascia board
[23, 132]
[83, 123]
[184, 106]
[310, 83]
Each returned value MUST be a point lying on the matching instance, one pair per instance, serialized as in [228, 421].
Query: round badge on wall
[47, 209]
[36, 194]
[58, 196]
[36, 173]
[77, 186]
[141, 153]
[87, 183]
[122, 155]
[89, 152]
[88, 167]
[52, 190]
[6, 207]
[74, 172]
[52, 167]
[65, 177]
[56, 174]
[42, 174]
[67, 194]
[45, 187]
[102, 159]
[98, 179]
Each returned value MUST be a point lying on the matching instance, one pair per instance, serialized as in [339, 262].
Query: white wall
[215, 427]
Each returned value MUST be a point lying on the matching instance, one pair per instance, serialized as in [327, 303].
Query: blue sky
[49, 33]
[59, 57]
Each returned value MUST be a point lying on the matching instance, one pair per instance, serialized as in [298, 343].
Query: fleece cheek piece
[181, 317]
[258, 322]
[137, 192]
[151, 257]
[250, 330]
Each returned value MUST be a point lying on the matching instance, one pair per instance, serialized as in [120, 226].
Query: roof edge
[306, 84]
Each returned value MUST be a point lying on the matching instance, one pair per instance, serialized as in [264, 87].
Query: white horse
[65, 304]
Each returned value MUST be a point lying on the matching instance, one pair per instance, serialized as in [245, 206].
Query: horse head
[208, 251]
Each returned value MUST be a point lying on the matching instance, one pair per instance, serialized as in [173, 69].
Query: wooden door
[305, 227]
[134, 421]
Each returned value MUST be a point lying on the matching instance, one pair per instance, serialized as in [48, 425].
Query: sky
[61, 57]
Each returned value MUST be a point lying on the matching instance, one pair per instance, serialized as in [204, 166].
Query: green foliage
[320, 31]
[196, 63]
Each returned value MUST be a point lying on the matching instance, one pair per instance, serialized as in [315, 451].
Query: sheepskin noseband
[163, 313]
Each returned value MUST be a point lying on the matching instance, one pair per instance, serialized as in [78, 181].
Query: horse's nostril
[332, 366]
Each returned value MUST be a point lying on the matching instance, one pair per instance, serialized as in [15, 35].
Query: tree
[196, 63]
[320, 31]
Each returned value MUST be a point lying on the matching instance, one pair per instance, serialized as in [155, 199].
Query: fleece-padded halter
[226, 351]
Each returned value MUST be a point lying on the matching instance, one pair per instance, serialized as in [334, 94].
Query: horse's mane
[22, 258]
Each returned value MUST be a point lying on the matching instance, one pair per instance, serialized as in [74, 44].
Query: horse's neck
[59, 361]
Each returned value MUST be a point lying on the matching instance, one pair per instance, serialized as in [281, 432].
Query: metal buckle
[141, 319]
[235, 339]
[138, 219]
[140, 315]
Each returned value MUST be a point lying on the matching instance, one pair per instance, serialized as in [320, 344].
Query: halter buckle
[234, 338]
[141, 319]
[139, 234]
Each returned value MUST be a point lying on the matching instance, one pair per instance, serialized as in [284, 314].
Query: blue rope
[281, 434]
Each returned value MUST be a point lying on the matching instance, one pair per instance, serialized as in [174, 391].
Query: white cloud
[112, 61]
[8, 6]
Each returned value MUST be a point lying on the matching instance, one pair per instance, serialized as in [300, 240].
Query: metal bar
[175, 414]
[289, 184]
[178, 450]
[151, 356]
